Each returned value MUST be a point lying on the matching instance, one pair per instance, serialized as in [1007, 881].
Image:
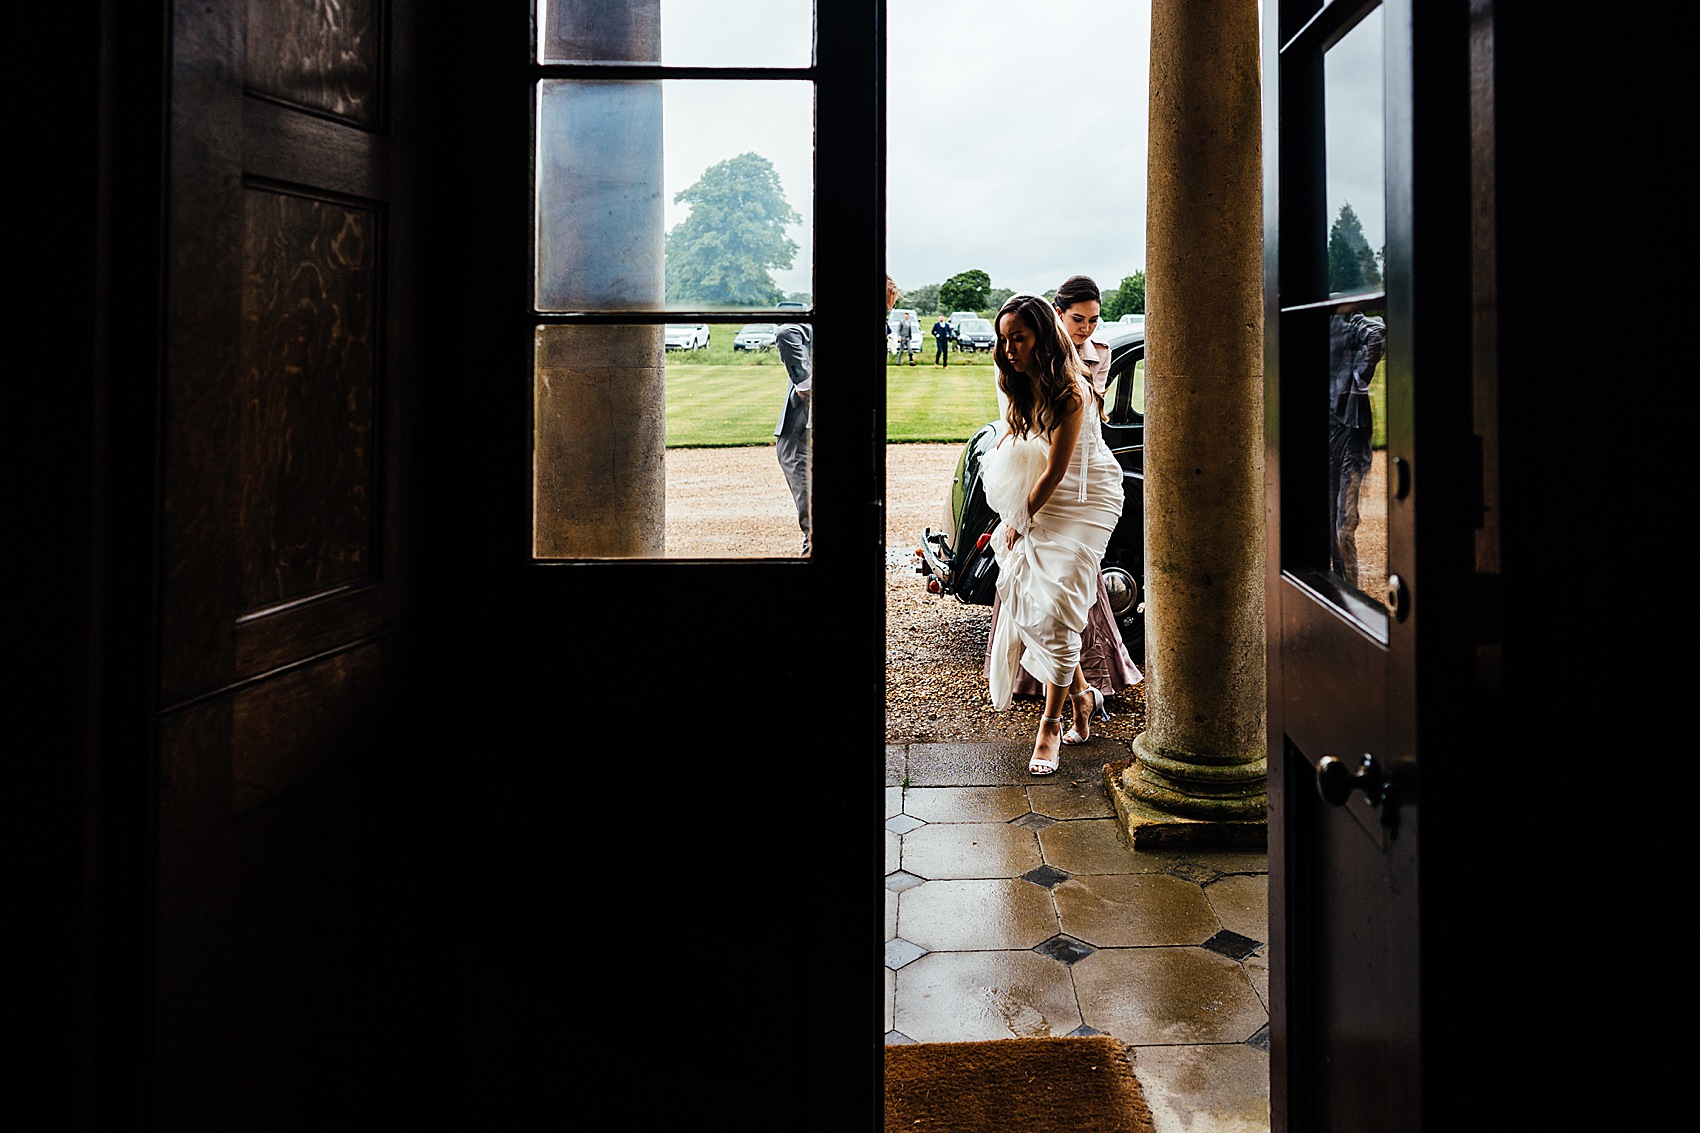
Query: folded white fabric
[1042, 582]
[1008, 474]
[1039, 579]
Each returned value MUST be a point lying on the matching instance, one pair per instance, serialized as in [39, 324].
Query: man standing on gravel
[793, 436]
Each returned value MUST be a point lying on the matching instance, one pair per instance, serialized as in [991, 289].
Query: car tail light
[933, 586]
[983, 541]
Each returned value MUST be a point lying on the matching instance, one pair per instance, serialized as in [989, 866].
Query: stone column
[599, 449]
[1199, 769]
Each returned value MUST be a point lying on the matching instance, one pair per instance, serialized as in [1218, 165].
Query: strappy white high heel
[1037, 766]
[1073, 736]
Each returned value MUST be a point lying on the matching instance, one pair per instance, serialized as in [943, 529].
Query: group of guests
[907, 335]
[1057, 490]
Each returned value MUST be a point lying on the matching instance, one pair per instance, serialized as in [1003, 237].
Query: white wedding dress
[1048, 581]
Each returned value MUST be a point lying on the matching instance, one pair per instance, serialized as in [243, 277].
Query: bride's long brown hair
[1036, 400]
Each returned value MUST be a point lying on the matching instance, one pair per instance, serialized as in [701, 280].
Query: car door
[1124, 431]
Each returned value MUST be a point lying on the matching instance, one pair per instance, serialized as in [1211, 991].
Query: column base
[1149, 828]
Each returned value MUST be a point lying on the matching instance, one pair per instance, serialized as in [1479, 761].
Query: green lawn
[719, 398]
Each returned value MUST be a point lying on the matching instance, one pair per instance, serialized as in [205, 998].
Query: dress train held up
[1048, 581]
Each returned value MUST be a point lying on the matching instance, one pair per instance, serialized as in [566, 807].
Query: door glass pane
[678, 33]
[679, 194]
[1352, 75]
[684, 440]
[1357, 329]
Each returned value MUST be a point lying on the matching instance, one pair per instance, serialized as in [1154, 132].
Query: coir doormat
[1065, 1085]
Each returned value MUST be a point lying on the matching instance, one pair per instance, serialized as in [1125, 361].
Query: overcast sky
[1016, 132]
[1016, 140]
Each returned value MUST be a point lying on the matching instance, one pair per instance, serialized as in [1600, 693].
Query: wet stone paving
[1014, 907]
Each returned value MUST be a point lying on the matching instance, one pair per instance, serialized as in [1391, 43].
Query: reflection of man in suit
[793, 436]
[1355, 345]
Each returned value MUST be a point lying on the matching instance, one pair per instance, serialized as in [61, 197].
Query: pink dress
[1104, 658]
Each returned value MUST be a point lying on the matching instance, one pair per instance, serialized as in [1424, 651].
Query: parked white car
[687, 336]
[756, 336]
[895, 320]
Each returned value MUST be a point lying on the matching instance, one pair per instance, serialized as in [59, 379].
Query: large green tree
[965, 291]
[1128, 299]
[720, 255]
[1351, 262]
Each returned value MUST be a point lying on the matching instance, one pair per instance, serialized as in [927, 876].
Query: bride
[1057, 490]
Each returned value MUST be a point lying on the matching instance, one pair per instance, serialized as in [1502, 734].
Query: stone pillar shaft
[1202, 754]
[599, 476]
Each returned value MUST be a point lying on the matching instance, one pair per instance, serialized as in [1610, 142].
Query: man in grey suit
[793, 435]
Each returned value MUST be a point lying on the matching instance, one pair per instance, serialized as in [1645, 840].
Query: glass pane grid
[1355, 195]
[673, 215]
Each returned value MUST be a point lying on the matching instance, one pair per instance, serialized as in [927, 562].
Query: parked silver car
[976, 334]
[756, 336]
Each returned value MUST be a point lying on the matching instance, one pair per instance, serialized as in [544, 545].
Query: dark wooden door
[1366, 348]
[285, 564]
[655, 755]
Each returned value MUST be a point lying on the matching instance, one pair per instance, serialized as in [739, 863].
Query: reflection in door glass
[1352, 72]
[1357, 329]
[707, 184]
[687, 33]
[1357, 446]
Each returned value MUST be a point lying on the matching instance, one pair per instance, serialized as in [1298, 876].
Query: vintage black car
[958, 559]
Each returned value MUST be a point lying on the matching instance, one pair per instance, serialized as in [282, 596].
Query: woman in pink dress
[1057, 490]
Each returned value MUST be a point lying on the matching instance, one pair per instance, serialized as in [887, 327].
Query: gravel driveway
[734, 503]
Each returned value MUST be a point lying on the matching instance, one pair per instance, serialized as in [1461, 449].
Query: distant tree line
[972, 290]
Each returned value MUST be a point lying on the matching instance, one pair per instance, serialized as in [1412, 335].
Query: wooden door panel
[285, 558]
[305, 460]
[267, 912]
[276, 525]
[1355, 948]
[1328, 707]
[327, 66]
